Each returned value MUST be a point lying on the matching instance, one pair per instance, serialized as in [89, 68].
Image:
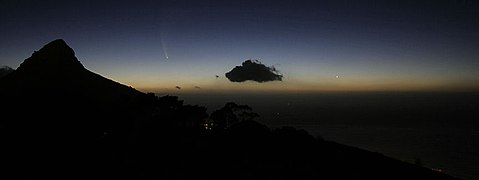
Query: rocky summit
[56, 56]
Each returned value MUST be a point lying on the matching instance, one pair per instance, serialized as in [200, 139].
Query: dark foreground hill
[61, 121]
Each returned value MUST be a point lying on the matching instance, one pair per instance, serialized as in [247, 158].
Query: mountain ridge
[57, 111]
[55, 55]
[54, 68]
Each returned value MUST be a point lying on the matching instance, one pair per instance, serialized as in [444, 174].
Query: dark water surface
[440, 130]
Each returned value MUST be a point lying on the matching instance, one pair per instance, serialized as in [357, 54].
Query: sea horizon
[438, 130]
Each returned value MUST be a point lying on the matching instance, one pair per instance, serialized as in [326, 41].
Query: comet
[164, 44]
[164, 48]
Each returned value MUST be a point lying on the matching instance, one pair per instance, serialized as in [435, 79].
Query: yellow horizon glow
[298, 84]
[251, 87]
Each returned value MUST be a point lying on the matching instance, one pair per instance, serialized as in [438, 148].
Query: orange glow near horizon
[297, 87]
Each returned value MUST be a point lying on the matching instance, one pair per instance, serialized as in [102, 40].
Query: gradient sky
[368, 45]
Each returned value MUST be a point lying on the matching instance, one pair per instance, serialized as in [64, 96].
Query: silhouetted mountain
[5, 70]
[54, 68]
[57, 111]
[61, 121]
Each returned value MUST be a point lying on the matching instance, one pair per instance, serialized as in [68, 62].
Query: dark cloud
[253, 70]
[177, 87]
[197, 87]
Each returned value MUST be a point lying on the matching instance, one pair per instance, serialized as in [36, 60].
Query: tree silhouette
[231, 114]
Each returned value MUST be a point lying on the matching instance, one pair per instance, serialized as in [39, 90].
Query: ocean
[438, 130]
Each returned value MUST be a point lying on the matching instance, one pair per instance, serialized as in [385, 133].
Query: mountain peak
[55, 69]
[54, 56]
[58, 44]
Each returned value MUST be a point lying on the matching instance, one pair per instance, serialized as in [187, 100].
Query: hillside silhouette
[62, 121]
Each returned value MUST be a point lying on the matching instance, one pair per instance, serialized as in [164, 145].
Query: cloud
[253, 70]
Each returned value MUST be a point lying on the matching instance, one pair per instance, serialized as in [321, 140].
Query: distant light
[438, 170]
[337, 76]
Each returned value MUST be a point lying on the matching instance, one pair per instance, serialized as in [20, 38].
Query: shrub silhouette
[231, 114]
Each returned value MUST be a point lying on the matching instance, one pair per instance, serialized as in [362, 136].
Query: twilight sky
[317, 45]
